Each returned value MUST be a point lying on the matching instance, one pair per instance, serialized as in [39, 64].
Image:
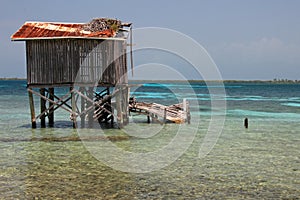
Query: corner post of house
[125, 104]
[119, 107]
[32, 112]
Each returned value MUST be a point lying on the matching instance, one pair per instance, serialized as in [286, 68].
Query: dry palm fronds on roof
[102, 24]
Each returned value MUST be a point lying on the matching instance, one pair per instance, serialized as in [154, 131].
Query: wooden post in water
[148, 118]
[32, 112]
[125, 103]
[246, 122]
[51, 110]
[112, 111]
[73, 103]
[43, 108]
[119, 107]
[82, 90]
[188, 112]
[186, 109]
[165, 115]
[90, 95]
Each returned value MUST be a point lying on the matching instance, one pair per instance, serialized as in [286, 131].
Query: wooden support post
[51, 107]
[188, 115]
[82, 89]
[186, 109]
[246, 122]
[148, 118]
[32, 112]
[43, 108]
[73, 103]
[90, 95]
[111, 116]
[60, 100]
[165, 115]
[152, 117]
[119, 108]
[125, 105]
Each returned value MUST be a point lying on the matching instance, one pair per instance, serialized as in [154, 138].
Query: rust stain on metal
[35, 30]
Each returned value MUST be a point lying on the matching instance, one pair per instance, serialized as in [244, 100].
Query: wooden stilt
[51, 107]
[111, 116]
[32, 112]
[90, 95]
[63, 102]
[73, 103]
[43, 108]
[82, 89]
[119, 108]
[125, 98]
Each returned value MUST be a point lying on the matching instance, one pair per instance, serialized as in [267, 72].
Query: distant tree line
[275, 80]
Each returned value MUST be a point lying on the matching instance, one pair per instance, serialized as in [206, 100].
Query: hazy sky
[247, 39]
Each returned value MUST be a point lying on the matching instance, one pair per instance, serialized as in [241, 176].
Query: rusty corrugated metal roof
[50, 30]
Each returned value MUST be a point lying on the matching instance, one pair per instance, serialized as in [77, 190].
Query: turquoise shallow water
[261, 162]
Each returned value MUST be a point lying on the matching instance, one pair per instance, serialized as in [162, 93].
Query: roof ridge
[54, 22]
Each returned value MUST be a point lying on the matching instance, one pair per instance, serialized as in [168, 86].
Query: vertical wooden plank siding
[58, 61]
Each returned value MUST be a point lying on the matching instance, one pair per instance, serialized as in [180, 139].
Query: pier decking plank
[174, 113]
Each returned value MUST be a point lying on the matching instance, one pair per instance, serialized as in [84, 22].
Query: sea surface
[261, 162]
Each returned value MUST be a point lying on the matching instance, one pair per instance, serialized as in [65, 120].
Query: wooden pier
[177, 113]
[90, 61]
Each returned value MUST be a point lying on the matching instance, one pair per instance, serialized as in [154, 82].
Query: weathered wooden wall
[61, 62]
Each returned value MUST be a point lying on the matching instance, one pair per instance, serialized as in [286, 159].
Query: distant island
[13, 79]
[264, 81]
[275, 80]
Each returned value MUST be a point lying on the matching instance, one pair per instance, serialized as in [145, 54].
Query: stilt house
[84, 58]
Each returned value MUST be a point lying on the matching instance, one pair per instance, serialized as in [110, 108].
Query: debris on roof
[97, 28]
[101, 24]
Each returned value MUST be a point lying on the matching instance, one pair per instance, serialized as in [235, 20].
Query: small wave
[297, 99]
[291, 104]
[152, 93]
[182, 86]
[263, 114]
[255, 98]
[151, 97]
[248, 98]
